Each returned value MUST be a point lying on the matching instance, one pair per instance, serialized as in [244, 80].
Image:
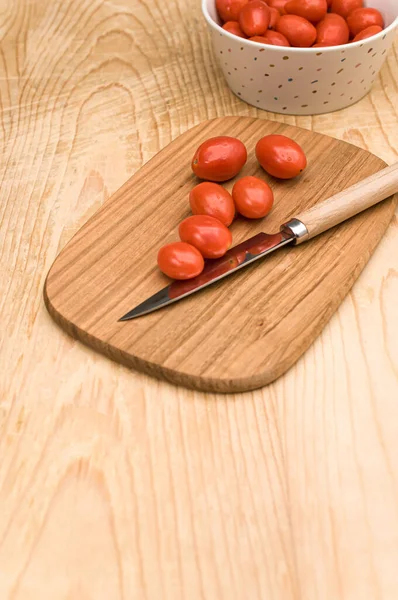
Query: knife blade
[303, 227]
[236, 258]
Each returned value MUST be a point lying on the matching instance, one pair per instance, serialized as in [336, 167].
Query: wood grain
[112, 484]
[239, 334]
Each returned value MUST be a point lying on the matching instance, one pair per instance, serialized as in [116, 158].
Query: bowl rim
[293, 49]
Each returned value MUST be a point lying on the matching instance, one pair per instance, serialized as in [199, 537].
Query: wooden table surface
[116, 486]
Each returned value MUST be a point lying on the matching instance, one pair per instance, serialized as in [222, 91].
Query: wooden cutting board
[241, 333]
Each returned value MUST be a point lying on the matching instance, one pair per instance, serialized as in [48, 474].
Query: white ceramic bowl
[301, 81]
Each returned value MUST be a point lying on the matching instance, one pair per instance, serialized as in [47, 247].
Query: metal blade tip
[156, 301]
[132, 314]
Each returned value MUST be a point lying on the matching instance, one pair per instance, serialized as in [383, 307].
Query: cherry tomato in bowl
[213, 200]
[332, 31]
[271, 37]
[253, 197]
[229, 9]
[367, 33]
[312, 10]
[278, 4]
[219, 158]
[233, 27]
[274, 17]
[281, 156]
[254, 18]
[298, 31]
[179, 260]
[362, 18]
[207, 234]
[344, 7]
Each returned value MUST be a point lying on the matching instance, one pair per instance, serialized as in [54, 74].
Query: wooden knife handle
[348, 203]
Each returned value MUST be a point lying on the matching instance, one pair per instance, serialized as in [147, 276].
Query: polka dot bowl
[301, 81]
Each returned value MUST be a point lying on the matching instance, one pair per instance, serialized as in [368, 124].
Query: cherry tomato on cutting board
[253, 197]
[229, 9]
[362, 18]
[180, 261]
[271, 37]
[207, 234]
[254, 18]
[332, 31]
[367, 33]
[344, 7]
[280, 156]
[219, 158]
[233, 27]
[213, 200]
[312, 10]
[298, 31]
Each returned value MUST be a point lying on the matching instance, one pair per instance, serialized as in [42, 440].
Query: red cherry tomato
[180, 261]
[280, 156]
[344, 7]
[312, 10]
[271, 37]
[274, 16]
[362, 18]
[219, 158]
[253, 197]
[332, 31]
[213, 200]
[233, 27]
[254, 18]
[260, 39]
[367, 33]
[278, 4]
[298, 31]
[229, 9]
[207, 234]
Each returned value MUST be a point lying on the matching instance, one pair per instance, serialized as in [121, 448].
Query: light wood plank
[114, 485]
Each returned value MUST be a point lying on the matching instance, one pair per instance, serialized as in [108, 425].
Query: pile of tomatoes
[300, 23]
[205, 235]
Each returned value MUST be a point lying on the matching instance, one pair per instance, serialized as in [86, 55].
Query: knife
[301, 228]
